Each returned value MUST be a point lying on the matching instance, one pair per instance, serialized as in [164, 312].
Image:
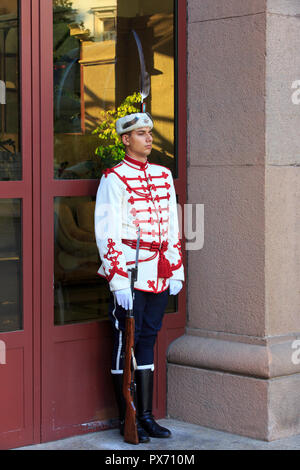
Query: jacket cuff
[118, 283]
[178, 274]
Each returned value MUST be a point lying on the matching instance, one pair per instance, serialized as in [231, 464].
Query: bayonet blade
[145, 77]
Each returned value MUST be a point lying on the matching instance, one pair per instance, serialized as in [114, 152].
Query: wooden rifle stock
[130, 427]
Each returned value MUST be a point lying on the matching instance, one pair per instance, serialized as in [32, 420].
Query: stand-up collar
[136, 163]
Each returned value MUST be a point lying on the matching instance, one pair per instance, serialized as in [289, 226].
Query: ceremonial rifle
[130, 427]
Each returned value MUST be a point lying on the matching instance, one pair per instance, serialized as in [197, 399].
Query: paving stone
[185, 436]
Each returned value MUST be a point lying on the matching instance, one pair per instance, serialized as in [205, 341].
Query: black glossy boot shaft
[144, 389]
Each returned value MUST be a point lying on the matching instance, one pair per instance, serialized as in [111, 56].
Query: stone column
[237, 368]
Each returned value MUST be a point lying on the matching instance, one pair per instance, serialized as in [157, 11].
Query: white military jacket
[133, 194]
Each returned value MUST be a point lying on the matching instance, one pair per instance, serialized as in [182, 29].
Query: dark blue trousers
[149, 309]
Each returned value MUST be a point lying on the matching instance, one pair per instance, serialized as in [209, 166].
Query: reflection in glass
[172, 306]
[96, 66]
[10, 265]
[10, 156]
[79, 294]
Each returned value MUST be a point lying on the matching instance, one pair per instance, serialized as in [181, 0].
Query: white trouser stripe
[149, 366]
[120, 371]
[119, 351]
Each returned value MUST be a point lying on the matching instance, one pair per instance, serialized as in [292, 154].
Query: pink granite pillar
[237, 368]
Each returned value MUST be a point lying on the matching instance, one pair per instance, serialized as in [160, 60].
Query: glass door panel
[155, 24]
[79, 294]
[10, 265]
[96, 66]
[83, 63]
[10, 152]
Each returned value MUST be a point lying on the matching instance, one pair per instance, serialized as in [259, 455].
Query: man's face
[139, 142]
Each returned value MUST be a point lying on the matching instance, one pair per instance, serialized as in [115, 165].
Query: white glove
[175, 286]
[124, 298]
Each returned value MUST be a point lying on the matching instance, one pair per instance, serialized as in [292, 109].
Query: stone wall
[236, 369]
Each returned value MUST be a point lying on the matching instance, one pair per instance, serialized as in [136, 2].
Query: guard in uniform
[137, 193]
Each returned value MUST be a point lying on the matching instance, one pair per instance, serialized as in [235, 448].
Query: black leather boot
[144, 390]
[118, 387]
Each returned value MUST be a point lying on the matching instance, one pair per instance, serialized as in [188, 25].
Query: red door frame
[52, 336]
[17, 421]
[37, 190]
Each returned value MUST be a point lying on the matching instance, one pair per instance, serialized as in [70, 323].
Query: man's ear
[125, 139]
